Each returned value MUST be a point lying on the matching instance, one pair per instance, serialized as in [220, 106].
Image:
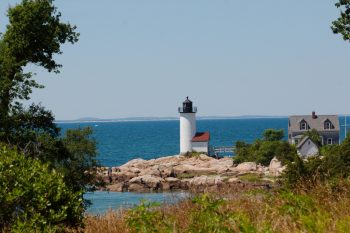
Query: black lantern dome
[187, 107]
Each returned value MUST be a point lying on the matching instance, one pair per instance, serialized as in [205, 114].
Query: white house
[307, 148]
[200, 142]
[190, 140]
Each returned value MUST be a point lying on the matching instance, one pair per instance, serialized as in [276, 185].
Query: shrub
[332, 165]
[143, 218]
[33, 197]
[262, 151]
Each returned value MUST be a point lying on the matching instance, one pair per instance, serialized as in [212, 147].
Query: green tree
[81, 164]
[342, 24]
[273, 135]
[33, 197]
[262, 151]
[34, 35]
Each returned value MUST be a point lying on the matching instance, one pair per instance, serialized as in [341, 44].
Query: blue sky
[142, 58]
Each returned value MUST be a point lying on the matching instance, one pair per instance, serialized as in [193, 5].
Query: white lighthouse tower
[187, 125]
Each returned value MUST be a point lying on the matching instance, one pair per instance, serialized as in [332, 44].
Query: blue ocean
[119, 142]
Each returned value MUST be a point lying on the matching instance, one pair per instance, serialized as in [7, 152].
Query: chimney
[314, 116]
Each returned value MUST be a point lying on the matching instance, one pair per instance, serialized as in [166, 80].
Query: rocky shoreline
[197, 173]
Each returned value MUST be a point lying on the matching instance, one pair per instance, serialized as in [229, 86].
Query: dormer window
[328, 124]
[303, 125]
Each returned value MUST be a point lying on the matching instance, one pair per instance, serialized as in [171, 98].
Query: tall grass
[322, 208]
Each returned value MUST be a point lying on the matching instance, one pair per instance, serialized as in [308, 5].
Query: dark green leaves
[262, 151]
[342, 24]
[35, 33]
[34, 198]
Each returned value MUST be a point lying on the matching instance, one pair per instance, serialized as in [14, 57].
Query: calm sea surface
[119, 142]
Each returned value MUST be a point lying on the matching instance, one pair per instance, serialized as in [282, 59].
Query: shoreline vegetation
[44, 173]
[301, 195]
[322, 208]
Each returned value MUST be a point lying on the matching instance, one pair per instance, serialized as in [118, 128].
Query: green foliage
[343, 225]
[314, 136]
[144, 219]
[35, 134]
[304, 209]
[208, 214]
[262, 151]
[193, 154]
[273, 135]
[32, 131]
[81, 164]
[342, 24]
[252, 178]
[34, 35]
[211, 216]
[34, 198]
[333, 164]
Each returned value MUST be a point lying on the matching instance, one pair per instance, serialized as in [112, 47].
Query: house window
[327, 125]
[329, 141]
[303, 126]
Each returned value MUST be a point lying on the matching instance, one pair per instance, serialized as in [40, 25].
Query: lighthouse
[187, 125]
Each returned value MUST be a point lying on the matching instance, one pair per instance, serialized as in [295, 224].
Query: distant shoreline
[142, 119]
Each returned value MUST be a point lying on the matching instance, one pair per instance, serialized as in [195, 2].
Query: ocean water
[104, 201]
[119, 142]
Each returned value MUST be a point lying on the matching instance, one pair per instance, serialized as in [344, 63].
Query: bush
[33, 197]
[333, 164]
[144, 219]
[262, 151]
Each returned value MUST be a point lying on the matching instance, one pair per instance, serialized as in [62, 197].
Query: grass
[323, 208]
[251, 177]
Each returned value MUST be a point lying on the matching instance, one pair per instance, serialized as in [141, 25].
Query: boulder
[191, 169]
[174, 183]
[148, 181]
[246, 167]
[123, 176]
[204, 157]
[135, 187]
[116, 187]
[197, 181]
[275, 167]
[138, 163]
[151, 171]
[205, 181]
[233, 180]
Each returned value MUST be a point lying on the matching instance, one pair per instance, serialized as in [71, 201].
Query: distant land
[94, 119]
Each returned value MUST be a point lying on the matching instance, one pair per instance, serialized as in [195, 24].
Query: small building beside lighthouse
[190, 139]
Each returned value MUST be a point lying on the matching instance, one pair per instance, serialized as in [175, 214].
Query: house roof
[305, 139]
[201, 137]
[317, 123]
